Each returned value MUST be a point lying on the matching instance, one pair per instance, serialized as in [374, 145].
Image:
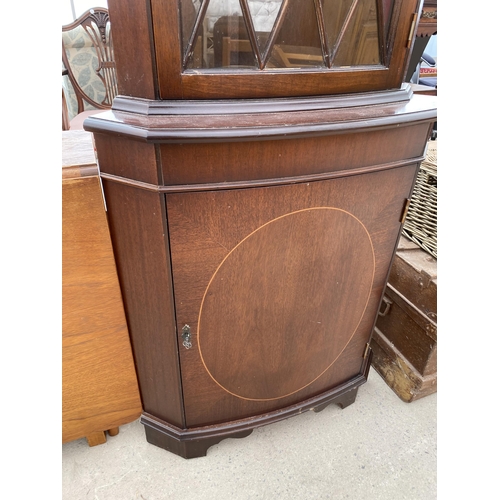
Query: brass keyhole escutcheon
[186, 337]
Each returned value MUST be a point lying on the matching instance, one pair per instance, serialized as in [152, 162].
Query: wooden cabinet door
[280, 287]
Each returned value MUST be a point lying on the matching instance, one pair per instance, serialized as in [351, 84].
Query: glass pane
[335, 14]
[189, 11]
[298, 44]
[359, 44]
[232, 45]
[282, 33]
[222, 39]
[264, 15]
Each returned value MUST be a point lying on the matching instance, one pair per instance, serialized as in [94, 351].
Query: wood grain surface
[174, 82]
[205, 228]
[268, 231]
[99, 384]
[293, 293]
[137, 222]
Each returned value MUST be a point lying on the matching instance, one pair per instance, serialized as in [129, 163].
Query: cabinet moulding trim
[102, 124]
[148, 107]
[185, 122]
[215, 186]
[317, 403]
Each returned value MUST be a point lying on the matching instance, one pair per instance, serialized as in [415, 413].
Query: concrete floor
[378, 448]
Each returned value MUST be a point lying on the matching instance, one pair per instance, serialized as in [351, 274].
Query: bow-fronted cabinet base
[253, 240]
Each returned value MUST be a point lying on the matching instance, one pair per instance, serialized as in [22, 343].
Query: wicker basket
[421, 221]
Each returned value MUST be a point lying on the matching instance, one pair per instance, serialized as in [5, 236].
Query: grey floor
[377, 448]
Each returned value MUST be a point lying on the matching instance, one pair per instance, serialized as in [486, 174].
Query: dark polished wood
[195, 441]
[254, 236]
[215, 121]
[147, 108]
[241, 251]
[142, 255]
[133, 49]
[182, 239]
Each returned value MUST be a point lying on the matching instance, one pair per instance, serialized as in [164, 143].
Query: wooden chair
[297, 57]
[282, 57]
[89, 66]
[234, 46]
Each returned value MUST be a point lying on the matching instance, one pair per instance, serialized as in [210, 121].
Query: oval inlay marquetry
[285, 302]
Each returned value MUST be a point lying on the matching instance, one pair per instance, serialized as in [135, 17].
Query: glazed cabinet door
[254, 48]
[277, 288]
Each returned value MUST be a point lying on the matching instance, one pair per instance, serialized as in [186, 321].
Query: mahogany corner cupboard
[256, 166]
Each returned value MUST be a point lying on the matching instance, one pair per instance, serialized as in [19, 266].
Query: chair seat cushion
[430, 82]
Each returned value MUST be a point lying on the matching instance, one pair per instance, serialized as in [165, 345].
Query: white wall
[71, 9]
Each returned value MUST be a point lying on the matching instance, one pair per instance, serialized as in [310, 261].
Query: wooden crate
[404, 341]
